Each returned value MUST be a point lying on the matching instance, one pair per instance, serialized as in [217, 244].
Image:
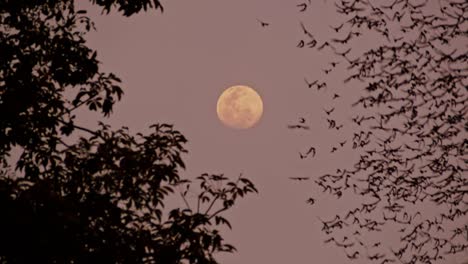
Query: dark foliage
[100, 198]
[128, 8]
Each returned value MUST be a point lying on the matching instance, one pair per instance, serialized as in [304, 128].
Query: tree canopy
[90, 195]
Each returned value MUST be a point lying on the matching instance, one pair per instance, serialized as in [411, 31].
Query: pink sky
[175, 65]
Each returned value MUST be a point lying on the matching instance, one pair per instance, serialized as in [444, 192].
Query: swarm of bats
[412, 132]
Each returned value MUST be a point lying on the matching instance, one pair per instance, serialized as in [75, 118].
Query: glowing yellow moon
[239, 107]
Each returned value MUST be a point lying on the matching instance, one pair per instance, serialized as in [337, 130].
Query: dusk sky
[175, 65]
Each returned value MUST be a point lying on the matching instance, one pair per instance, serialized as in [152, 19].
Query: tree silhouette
[85, 195]
[412, 130]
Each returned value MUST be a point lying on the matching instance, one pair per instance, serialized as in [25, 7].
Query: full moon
[239, 107]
